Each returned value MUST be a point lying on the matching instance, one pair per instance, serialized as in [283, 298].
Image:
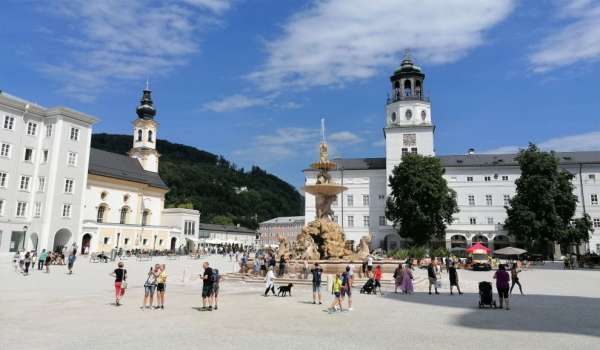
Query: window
[149, 135]
[413, 150]
[189, 227]
[381, 196]
[48, 130]
[69, 185]
[100, 214]
[592, 177]
[473, 221]
[24, 184]
[366, 221]
[594, 199]
[365, 200]
[74, 136]
[504, 177]
[145, 216]
[45, 156]
[350, 199]
[37, 209]
[471, 200]
[490, 220]
[5, 150]
[31, 128]
[139, 135]
[9, 122]
[66, 211]
[382, 221]
[106, 240]
[596, 222]
[41, 184]
[469, 178]
[21, 209]
[3, 179]
[72, 159]
[145, 241]
[487, 178]
[350, 221]
[488, 200]
[28, 156]
[126, 241]
[506, 200]
[2, 207]
[404, 151]
[124, 212]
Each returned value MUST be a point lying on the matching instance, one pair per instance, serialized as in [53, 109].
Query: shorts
[369, 267]
[337, 294]
[503, 293]
[149, 288]
[316, 287]
[215, 290]
[207, 290]
[161, 287]
[346, 291]
[432, 281]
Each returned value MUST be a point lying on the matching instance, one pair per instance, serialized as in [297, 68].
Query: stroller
[368, 287]
[486, 297]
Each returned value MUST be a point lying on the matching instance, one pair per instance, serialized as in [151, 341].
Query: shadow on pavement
[529, 313]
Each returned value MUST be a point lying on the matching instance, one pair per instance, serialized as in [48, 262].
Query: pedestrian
[26, 263]
[316, 272]
[269, 282]
[256, 262]
[16, 259]
[398, 275]
[453, 276]
[347, 287]
[120, 275]
[71, 261]
[432, 277]
[281, 266]
[216, 279]
[369, 265]
[514, 275]
[150, 287]
[502, 281]
[34, 258]
[377, 277]
[207, 287]
[263, 266]
[161, 286]
[336, 291]
[407, 277]
[48, 261]
[22, 262]
[305, 269]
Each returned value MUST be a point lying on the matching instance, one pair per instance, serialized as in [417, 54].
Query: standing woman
[453, 275]
[27, 262]
[71, 261]
[161, 286]
[269, 281]
[398, 275]
[514, 275]
[150, 286]
[502, 281]
[407, 277]
[120, 275]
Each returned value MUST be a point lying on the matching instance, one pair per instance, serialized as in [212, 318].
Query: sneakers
[210, 308]
[216, 307]
[314, 302]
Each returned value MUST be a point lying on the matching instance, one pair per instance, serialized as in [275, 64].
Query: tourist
[150, 287]
[281, 266]
[256, 262]
[161, 285]
[269, 281]
[49, 261]
[453, 276]
[377, 277]
[16, 259]
[335, 289]
[120, 275]
[369, 265]
[347, 287]
[207, 287]
[502, 282]
[42, 259]
[364, 269]
[22, 262]
[432, 276]
[398, 275]
[514, 275]
[26, 263]
[263, 265]
[216, 279]
[316, 272]
[407, 277]
[34, 258]
[305, 269]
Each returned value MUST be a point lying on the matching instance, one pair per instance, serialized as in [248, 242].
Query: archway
[61, 238]
[173, 244]
[500, 242]
[34, 241]
[480, 239]
[85, 243]
[458, 241]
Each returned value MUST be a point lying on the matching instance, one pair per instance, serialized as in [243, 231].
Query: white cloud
[121, 40]
[345, 137]
[577, 40]
[336, 41]
[235, 102]
[580, 142]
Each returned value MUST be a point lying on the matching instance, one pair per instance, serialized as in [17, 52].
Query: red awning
[478, 248]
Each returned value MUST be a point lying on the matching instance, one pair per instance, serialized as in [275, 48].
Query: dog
[284, 290]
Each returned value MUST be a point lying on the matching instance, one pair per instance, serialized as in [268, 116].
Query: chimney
[471, 151]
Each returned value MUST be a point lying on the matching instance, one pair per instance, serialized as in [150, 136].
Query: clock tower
[408, 127]
[144, 133]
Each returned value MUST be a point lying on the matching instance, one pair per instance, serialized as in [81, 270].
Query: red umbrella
[478, 248]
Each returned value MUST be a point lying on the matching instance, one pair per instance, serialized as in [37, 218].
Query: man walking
[207, 285]
[347, 287]
[316, 272]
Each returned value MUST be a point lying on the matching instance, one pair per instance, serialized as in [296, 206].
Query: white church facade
[483, 182]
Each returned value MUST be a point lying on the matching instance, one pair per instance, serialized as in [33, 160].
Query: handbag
[124, 285]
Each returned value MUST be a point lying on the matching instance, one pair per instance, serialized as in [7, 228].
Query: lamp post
[154, 243]
[24, 237]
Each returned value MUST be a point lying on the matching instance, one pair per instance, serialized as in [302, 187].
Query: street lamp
[154, 243]
[24, 237]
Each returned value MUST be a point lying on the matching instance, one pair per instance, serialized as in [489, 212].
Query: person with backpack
[150, 286]
[316, 272]
[347, 287]
[216, 278]
[207, 286]
[71, 261]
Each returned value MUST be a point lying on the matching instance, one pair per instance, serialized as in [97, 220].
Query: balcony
[397, 95]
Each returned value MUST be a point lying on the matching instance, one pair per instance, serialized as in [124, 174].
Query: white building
[483, 183]
[227, 235]
[285, 226]
[44, 156]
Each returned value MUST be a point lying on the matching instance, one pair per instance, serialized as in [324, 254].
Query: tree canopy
[421, 204]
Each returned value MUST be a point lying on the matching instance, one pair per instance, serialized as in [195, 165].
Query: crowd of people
[25, 262]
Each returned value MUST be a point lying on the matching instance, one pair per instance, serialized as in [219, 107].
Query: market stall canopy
[510, 251]
[478, 248]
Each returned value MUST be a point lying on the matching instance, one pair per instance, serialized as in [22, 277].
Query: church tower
[144, 133]
[409, 128]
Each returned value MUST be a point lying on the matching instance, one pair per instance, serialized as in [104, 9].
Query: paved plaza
[59, 311]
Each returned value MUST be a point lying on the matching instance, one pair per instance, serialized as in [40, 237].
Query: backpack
[345, 278]
[214, 277]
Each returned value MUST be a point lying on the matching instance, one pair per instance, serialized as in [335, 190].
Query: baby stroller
[485, 295]
[369, 287]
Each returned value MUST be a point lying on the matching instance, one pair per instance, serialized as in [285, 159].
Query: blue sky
[251, 79]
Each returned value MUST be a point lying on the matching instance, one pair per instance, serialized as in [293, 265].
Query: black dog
[283, 290]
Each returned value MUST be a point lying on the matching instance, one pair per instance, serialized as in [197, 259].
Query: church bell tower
[144, 133]
[409, 127]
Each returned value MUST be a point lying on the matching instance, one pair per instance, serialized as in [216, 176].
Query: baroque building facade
[483, 182]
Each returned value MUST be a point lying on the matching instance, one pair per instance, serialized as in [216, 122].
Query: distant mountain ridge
[223, 193]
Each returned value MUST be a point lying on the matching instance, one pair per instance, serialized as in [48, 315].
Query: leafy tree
[421, 204]
[578, 232]
[541, 211]
[222, 220]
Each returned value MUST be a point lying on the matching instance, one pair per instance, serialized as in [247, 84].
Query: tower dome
[146, 109]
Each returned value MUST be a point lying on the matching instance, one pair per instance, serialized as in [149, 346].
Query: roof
[284, 220]
[122, 167]
[225, 228]
[471, 160]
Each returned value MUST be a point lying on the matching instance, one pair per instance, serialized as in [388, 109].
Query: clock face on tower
[408, 114]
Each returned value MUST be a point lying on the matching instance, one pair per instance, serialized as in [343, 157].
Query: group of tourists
[156, 281]
[27, 261]
[341, 288]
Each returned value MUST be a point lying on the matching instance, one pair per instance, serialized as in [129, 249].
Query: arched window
[407, 88]
[145, 217]
[393, 116]
[139, 135]
[418, 88]
[101, 213]
[124, 214]
[150, 136]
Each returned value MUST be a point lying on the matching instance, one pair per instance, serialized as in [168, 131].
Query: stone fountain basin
[325, 189]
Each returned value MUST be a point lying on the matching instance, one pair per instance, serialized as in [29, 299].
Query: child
[336, 290]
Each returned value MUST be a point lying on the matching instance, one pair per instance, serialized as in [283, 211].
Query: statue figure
[323, 204]
[323, 154]
[284, 248]
[364, 246]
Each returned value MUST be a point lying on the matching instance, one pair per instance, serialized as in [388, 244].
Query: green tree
[222, 220]
[421, 204]
[578, 232]
[541, 211]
